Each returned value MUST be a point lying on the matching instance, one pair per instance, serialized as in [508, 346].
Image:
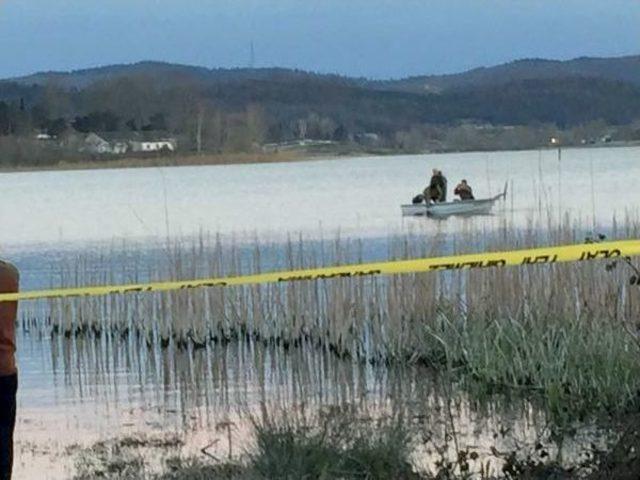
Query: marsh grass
[565, 332]
[336, 445]
[573, 368]
[331, 444]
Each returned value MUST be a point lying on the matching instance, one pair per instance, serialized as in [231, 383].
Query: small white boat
[481, 206]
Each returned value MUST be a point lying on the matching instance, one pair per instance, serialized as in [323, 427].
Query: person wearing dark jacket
[9, 279]
[437, 189]
[464, 191]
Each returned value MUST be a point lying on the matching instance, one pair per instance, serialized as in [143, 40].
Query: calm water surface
[359, 196]
[81, 391]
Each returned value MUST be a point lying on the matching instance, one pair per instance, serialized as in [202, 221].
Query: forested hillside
[623, 69]
[43, 116]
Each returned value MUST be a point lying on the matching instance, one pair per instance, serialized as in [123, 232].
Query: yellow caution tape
[546, 255]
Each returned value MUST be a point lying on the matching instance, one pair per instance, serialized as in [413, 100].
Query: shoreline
[289, 156]
[169, 161]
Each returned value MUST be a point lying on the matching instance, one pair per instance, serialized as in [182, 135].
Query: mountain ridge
[81, 78]
[622, 68]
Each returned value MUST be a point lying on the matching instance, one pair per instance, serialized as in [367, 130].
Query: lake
[95, 389]
[356, 196]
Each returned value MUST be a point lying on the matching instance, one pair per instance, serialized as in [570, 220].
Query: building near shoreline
[163, 145]
[117, 144]
[96, 145]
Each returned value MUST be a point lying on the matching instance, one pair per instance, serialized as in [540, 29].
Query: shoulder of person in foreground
[9, 270]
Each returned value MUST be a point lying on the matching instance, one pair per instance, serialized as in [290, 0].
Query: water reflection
[84, 389]
[97, 388]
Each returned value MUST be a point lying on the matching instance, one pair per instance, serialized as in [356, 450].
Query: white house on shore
[95, 144]
[114, 144]
[168, 144]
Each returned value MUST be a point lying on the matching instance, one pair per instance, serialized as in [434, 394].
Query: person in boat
[437, 190]
[8, 373]
[464, 191]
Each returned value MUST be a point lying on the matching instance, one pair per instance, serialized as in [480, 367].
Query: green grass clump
[575, 367]
[338, 446]
[332, 445]
[197, 469]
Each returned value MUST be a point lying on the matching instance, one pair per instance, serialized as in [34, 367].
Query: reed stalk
[567, 330]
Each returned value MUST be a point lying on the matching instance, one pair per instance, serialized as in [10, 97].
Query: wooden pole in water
[556, 141]
[559, 184]
[593, 192]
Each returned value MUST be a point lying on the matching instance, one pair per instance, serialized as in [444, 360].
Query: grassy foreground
[340, 446]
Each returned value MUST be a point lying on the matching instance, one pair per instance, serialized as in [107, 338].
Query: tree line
[244, 114]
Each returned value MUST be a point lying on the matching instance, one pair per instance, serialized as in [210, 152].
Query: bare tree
[199, 122]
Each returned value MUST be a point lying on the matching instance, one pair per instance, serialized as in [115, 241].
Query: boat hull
[445, 209]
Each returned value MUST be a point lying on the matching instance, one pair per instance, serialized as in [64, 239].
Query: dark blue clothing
[8, 390]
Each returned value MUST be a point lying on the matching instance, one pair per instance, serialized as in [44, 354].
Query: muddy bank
[337, 445]
[286, 156]
[167, 161]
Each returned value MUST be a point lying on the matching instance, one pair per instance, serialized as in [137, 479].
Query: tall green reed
[566, 330]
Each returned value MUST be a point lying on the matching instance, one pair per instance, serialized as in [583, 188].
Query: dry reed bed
[565, 331]
[378, 319]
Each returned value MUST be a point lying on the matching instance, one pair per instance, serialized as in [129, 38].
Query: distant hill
[624, 69]
[240, 109]
[564, 101]
[167, 74]
[140, 91]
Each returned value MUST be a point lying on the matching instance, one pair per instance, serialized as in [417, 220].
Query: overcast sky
[374, 38]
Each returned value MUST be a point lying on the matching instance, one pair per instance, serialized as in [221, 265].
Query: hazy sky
[374, 38]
